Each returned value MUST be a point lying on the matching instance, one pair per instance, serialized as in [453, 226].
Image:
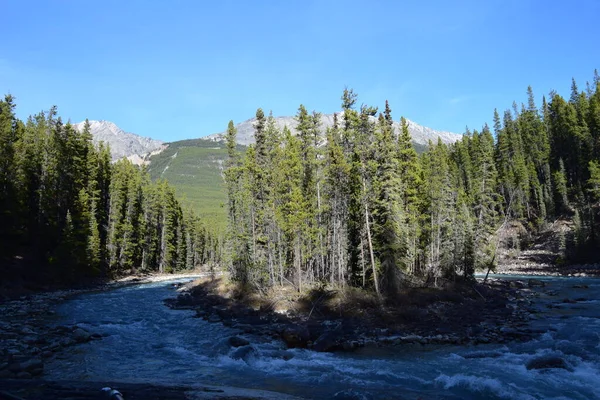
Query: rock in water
[243, 353]
[296, 336]
[326, 342]
[236, 341]
[535, 282]
[548, 362]
[81, 336]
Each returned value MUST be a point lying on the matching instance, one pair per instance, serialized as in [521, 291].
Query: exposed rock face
[420, 134]
[122, 144]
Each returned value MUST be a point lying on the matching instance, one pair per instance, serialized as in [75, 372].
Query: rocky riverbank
[28, 336]
[325, 320]
[543, 253]
[13, 389]
[533, 268]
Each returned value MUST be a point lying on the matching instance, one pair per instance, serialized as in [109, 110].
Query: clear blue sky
[182, 69]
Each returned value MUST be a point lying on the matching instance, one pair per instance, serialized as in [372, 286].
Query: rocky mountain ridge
[122, 144]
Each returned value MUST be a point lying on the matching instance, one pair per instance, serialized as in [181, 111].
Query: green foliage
[68, 213]
[594, 181]
[365, 209]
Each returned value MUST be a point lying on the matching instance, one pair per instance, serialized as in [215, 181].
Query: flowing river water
[147, 342]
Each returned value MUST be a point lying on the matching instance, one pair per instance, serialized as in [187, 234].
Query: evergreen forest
[355, 206]
[360, 207]
[67, 214]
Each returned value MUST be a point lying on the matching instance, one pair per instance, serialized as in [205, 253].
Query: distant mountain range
[137, 148]
[122, 144]
[420, 134]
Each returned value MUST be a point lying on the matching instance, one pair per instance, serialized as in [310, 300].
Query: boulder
[295, 336]
[81, 336]
[236, 341]
[535, 282]
[243, 353]
[214, 317]
[326, 342]
[185, 300]
[547, 363]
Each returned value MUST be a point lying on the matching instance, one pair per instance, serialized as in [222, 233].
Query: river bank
[326, 320]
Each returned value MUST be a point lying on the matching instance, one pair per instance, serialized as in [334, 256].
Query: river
[147, 342]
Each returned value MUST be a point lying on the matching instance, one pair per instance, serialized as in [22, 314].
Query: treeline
[358, 206]
[67, 212]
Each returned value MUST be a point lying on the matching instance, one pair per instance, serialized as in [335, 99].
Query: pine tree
[9, 206]
[291, 211]
[335, 190]
[410, 175]
[388, 227]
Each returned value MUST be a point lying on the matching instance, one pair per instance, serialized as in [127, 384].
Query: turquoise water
[148, 342]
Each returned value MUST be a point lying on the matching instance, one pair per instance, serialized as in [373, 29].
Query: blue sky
[182, 69]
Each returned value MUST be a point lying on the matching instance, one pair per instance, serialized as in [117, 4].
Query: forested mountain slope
[195, 170]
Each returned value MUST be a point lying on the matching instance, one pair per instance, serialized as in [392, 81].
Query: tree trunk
[375, 279]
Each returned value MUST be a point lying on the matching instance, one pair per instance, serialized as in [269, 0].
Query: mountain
[420, 134]
[122, 144]
[194, 168]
